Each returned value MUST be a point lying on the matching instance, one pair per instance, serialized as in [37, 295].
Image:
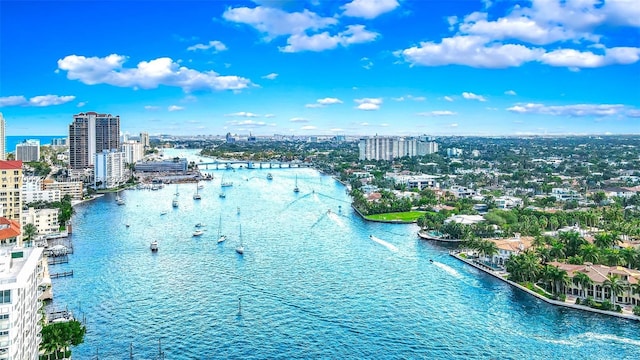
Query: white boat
[119, 200]
[197, 196]
[221, 237]
[240, 248]
[200, 225]
[154, 246]
[198, 233]
[296, 189]
[174, 203]
[224, 183]
[269, 176]
[222, 195]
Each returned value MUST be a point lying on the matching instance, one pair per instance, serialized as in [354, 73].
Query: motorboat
[198, 233]
[154, 246]
[269, 176]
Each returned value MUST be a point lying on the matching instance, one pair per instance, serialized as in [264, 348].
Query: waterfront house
[598, 275]
[510, 247]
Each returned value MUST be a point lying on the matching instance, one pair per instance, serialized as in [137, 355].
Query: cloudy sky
[360, 67]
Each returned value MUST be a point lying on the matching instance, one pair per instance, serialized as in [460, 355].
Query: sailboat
[119, 200]
[240, 248]
[197, 196]
[225, 183]
[221, 237]
[174, 203]
[296, 189]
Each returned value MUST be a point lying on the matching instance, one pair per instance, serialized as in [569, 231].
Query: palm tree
[28, 231]
[603, 241]
[488, 248]
[631, 256]
[583, 280]
[616, 286]
[557, 250]
[590, 253]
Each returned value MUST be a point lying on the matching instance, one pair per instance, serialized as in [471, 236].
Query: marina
[314, 283]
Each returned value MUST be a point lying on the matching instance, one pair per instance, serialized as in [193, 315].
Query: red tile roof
[10, 164]
[8, 228]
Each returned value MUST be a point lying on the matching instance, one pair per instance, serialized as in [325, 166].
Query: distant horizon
[346, 67]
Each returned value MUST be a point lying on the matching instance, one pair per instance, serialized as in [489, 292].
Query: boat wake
[336, 219]
[448, 269]
[609, 338]
[384, 243]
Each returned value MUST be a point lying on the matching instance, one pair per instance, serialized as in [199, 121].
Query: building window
[5, 297]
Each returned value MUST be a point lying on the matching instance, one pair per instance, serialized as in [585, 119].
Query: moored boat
[154, 246]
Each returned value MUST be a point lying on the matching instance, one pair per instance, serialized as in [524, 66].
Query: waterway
[312, 283]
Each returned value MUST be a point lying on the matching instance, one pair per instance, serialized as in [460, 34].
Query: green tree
[29, 231]
[615, 285]
[584, 281]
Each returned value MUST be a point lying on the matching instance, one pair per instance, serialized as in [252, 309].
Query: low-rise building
[71, 188]
[416, 181]
[33, 190]
[510, 247]
[508, 202]
[45, 220]
[565, 194]
[171, 165]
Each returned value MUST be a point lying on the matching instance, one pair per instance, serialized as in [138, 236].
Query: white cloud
[13, 101]
[271, 76]
[336, 130]
[368, 104]
[324, 102]
[438, 113]
[401, 98]
[215, 44]
[299, 120]
[576, 110]
[448, 98]
[276, 22]
[308, 127]
[474, 51]
[633, 113]
[354, 34]
[82, 103]
[242, 114]
[369, 9]
[517, 27]
[364, 124]
[329, 101]
[510, 92]
[472, 96]
[587, 59]
[175, 108]
[147, 74]
[247, 123]
[366, 63]
[453, 125]
[268, 116]
[416, 98]
[37, 101]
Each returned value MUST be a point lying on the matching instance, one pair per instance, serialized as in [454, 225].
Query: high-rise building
[21, 274]
[144, 140]
[89, 134]
[3, 140]
[10, 186]
[109, 169]
[133, 151]
[389, 148]
[28, 150]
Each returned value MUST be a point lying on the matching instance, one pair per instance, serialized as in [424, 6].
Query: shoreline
[499, 274]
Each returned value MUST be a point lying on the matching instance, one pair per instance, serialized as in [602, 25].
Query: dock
[58, 260]
[61, 274]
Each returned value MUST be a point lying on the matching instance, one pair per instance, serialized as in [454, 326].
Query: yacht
[154, 246]
[240, 248]
[198, 233]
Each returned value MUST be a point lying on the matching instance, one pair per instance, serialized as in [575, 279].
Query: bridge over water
[231, 164]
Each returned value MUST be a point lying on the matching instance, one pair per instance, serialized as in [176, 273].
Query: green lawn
[408, 216]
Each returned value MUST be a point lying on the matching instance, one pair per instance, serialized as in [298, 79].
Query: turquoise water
[312, 283]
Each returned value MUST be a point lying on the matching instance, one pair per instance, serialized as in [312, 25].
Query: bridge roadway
[228, 164]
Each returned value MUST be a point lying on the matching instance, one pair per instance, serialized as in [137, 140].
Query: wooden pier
[61, 274]
[58, 260]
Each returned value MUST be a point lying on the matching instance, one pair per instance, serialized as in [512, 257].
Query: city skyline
[314, 68]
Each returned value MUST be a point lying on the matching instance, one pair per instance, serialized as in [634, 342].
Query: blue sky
[361, 67]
